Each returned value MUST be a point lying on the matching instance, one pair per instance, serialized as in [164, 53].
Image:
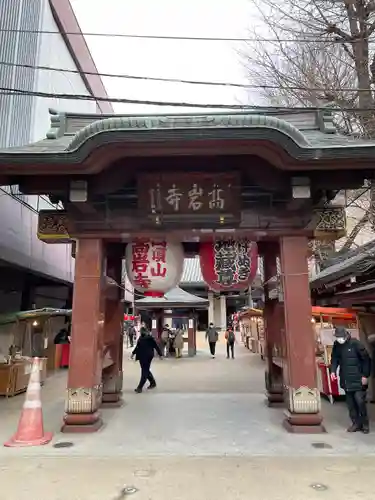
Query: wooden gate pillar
[84, 393]
[192, 335]
[113, 331]
[155, 321]
[300, 374]
[273, 324]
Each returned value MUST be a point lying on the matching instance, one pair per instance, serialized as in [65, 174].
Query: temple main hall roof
[174, 298]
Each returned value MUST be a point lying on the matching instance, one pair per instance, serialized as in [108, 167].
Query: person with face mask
[351, 357]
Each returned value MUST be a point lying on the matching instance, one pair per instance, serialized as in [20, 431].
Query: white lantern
[154, 267]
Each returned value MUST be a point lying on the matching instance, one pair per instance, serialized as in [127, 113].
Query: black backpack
[231, 336]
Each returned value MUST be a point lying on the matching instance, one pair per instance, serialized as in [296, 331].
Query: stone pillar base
[192, 352]
[112, 390]
[274, 387]
[112, 400]
[81, 410]
[304, 423]
[83, 423]
[274, 399]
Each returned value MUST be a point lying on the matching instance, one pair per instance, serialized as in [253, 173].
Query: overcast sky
[193, 60]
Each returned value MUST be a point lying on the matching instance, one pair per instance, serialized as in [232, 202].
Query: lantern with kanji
[228, 265]
[154, 267]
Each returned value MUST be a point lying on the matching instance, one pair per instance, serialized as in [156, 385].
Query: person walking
[144, 353]
[351, 357]
[212, 336]
[179, 342]
[132, 334]
[164, 340]
[171, 348]
[230, 337]
[63, 338]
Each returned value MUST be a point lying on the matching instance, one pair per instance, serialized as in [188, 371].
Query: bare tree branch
[339, 56]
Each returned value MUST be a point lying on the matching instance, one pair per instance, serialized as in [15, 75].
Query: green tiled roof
[33, 313]
[183, 122]
[306, 135]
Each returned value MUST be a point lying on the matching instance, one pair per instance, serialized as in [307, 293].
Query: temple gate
[190, 179]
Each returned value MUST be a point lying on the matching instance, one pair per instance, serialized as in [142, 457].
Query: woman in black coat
[144, 353]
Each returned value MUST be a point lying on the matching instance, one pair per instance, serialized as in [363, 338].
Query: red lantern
[154, 267]
[125, 317]
[229, 264]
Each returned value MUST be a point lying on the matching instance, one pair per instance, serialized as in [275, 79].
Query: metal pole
[250, 298]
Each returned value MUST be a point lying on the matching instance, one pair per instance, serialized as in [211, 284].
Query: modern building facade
[33, 36]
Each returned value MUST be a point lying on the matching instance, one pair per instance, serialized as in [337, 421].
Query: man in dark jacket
[144, 353]
[351, 357]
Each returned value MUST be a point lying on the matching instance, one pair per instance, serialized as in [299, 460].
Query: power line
[128, 77]
[180, 80]
[186, 38]
[240, 107]
[78, 97]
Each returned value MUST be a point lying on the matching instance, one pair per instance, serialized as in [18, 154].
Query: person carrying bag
[230, 337]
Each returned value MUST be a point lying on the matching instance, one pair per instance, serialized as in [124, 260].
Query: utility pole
[250, 297]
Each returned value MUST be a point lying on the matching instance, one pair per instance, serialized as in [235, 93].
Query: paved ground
[204, 433]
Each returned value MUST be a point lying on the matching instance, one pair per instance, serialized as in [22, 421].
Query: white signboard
[327, 336]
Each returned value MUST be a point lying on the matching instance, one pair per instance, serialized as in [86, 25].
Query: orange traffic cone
[30, 430]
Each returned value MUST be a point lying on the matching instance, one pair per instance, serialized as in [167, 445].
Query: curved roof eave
[149, 131]
[124, 124]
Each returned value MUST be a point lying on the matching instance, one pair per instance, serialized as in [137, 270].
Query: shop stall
[252, 330]
[25, 335]
[323, 321]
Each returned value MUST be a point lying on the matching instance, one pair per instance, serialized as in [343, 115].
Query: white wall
[54, 53]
